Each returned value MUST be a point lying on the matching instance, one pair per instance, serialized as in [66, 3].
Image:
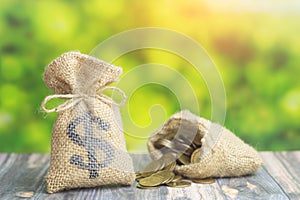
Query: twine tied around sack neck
[74, 99]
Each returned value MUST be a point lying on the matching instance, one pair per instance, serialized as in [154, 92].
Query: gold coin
[177, 178]
[152, 167]
[195, 157]
[204, 181]
[194, 146]
[197, 139]
[185, 145]
[151, 181]
[168, 159]
[175, 151]
[146, 187]
[165, 175]
[183, 159]
[171, 166]
[170, 179]
[146, 174]
[138, 176]
[157, 178]
[178, 139]
[165, 143]
[179, 184]
[183, 148]
[188, 152]
[183, 139]
[170, 136]
[159, 164]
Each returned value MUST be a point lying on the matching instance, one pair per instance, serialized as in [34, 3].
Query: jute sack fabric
[222, 154]
[88, 147]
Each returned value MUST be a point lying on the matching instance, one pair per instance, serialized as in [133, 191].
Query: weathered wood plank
[279, 179]
[3, 157]
[23, 173]
[284, 167]
[258, 186]
[93, 193]
[3, 162]
[198, 191]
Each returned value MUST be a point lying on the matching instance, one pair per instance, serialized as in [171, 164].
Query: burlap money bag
[88, 146]
[222, 154]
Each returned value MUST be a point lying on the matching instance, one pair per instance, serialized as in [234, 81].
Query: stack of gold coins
[176, 151]
[160, 172]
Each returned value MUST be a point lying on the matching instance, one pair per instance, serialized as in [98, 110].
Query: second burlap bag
[222, 153]
[88, 147]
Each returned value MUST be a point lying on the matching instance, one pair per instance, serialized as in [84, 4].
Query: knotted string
[74, 99]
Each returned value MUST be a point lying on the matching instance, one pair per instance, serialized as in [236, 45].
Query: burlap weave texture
[222, 153]
[88, 147]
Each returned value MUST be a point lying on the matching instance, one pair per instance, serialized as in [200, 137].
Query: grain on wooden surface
[22, 175]
[261, 186]
[284, 167]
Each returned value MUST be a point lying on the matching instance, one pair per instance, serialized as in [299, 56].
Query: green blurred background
[255, 45]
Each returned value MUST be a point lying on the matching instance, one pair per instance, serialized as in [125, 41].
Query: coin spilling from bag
[161, 171]
[202, 149]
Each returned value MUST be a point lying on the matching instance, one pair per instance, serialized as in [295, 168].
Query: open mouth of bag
[200, 149]
[180, 137]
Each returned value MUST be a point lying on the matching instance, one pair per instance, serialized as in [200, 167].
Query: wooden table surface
[23, 175]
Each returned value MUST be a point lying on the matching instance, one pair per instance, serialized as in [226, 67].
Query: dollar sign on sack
[90, 143]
